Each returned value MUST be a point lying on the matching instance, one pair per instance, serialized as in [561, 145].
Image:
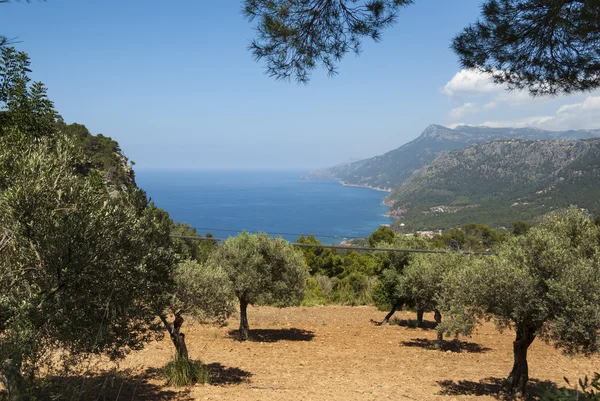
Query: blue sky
[174, 83]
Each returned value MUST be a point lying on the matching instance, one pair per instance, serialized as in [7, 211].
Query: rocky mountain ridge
[391, 169]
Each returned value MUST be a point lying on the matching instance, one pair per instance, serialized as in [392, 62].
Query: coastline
[365, 186]
[389, 214]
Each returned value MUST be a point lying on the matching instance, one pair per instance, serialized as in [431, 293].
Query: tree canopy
[383, 235]
[294, 37]
[545, 47]
[83, 263]
[262, 270]
[200, 291]
[544, 283]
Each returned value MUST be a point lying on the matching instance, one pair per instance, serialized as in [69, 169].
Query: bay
[225, 202]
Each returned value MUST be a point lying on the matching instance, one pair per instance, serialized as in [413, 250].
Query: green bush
[182, 371]
[319, 290]
[354, 289]
[385, 290]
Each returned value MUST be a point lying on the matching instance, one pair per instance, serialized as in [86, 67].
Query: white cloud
[478, 93]
[520, 98]
[583, 115]
[519, 122]
[470, 82]
[586, 112]
[490, 105]
[463, 110]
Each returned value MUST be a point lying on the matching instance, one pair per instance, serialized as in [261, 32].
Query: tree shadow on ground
[275, 335]
[452, 346]
[149, 385]
[219, 375]
[494, 387]
[222, 376]
[413, 324]
[113, 386]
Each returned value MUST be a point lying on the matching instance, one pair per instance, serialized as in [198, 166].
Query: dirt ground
[337, 353]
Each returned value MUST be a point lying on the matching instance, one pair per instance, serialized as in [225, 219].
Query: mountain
[393, 168]
[498, 182]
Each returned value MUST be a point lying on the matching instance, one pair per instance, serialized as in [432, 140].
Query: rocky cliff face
[391, 169]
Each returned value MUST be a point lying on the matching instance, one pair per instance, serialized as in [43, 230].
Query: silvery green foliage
[203, 291]
[83, 267]
[548, 278]
[545, 283]
[421, 282]
[263, 269]
[85, 263]
[388, 292]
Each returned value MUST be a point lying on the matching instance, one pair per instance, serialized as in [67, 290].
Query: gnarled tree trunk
[244, 328]
[420, 313]
[517, 380]
[177, 337]
[438, 320]
[387, 318]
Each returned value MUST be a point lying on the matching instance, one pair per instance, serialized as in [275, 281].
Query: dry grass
[336, 353]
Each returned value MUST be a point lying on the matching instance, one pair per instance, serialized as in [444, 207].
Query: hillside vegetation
[102, 152]
[498, 182]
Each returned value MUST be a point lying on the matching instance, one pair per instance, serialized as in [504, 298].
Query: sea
[226, 202]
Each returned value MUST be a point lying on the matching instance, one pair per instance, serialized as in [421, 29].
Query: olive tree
[421, 283]
[544, 283]
[387, 292]
[84, 263]
[262, 270]
[82, 266]
[201, 291]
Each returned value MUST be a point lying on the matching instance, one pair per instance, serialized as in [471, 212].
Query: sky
[175, 84]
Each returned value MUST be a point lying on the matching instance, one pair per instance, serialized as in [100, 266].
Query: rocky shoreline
[388, 190]
[394, 214]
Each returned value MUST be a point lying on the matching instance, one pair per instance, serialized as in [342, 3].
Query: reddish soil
[337, 353]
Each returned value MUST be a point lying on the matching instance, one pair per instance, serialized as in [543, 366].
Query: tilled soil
[338, 353]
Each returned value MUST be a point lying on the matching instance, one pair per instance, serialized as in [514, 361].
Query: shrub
[354, 289]
[319, 290]
[181, 371]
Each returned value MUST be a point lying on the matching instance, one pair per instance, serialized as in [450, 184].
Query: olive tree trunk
[420, 313]
[517, 380]
[438, 320]
[387, 317]
[177, 337]
[244, 327]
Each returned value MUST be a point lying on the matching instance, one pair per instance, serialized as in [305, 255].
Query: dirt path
[336, 353]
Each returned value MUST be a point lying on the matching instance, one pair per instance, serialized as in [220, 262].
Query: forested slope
[498, 182]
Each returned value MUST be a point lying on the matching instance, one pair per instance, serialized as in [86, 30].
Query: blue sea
[278, 202]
